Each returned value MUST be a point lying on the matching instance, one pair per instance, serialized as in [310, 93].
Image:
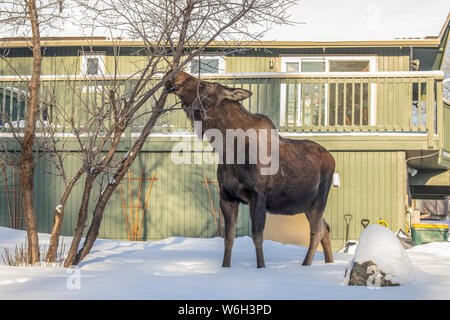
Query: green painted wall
[253, 64]
[393, 59]
[51, 65]
[373, 183]
[373, 186]
[65, 60]
[388, 59]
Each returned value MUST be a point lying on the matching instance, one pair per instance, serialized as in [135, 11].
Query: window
[207, 64]
[313, 66]
[13, 101]
[349, 66]
[292, 67]
[92, 66]
[314, 104]
[12, 106]
[92, 63]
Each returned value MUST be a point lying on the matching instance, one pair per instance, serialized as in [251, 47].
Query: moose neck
[227, 115]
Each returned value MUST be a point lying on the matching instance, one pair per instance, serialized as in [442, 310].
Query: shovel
[365, 222]
[347, 218]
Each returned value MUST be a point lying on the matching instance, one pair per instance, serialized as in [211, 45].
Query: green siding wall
[178, 204]
[252, 64]
[62, 60]
[55, 65]
[373, 186]
[393, 59]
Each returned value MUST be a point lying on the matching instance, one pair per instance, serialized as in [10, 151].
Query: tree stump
[368, 274]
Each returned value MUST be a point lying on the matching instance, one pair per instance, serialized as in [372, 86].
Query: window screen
[205, 65]
[313, 66]
[349, 66]
[292, 67]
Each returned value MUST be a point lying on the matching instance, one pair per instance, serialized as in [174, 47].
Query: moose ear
[236, 94]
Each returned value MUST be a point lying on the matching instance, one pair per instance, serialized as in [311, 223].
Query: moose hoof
[261, 265]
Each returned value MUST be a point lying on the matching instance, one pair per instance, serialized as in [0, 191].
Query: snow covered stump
[380, 260]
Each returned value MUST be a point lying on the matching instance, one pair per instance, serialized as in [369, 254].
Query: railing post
[439, 113]
[127, 138]
[2, 107]
[430, 110]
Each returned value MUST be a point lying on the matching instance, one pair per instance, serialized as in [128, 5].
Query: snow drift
[381, 246]
[190, 268]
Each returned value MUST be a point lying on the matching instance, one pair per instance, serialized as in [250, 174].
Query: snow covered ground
[187, 268]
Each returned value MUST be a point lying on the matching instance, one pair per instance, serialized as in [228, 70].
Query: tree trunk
[120, 172]
[26, 179]
[82, 216]
[58, 216]
[26, 162]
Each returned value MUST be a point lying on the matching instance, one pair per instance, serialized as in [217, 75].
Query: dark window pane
[92, 66]
[205, 65]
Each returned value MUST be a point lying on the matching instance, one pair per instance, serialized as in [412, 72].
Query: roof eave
[103, 42]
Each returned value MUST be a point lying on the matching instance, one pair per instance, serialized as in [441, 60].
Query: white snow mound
[380, 245]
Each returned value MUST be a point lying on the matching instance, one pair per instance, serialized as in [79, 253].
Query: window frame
[317, 58]
[324, 58]
[84, 63]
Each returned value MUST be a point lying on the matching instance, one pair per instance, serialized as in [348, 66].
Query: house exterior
[377, 105]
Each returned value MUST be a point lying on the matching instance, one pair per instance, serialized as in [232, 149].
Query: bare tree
[28, 17]
[173, 33]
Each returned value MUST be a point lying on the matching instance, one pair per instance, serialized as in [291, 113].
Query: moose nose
[169, 86]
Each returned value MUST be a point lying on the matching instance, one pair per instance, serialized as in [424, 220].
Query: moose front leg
[258, 218]
[230, 211]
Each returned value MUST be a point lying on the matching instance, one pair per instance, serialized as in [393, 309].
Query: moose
[301, 183]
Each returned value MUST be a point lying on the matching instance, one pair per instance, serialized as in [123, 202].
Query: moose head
[194, 92]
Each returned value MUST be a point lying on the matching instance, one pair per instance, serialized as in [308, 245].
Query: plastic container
[426, 232]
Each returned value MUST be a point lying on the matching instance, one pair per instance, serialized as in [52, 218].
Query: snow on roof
[356, 20]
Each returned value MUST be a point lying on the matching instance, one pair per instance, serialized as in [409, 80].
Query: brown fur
[301, 184]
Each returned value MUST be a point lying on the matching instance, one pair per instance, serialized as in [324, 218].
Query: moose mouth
[169, 86]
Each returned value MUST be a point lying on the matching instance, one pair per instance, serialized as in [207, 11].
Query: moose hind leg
[315, 219]
[326, 243]
[258, 219]
[230, 213]
[319, 229]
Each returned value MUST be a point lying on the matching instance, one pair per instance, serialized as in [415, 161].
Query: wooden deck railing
[296, 102]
